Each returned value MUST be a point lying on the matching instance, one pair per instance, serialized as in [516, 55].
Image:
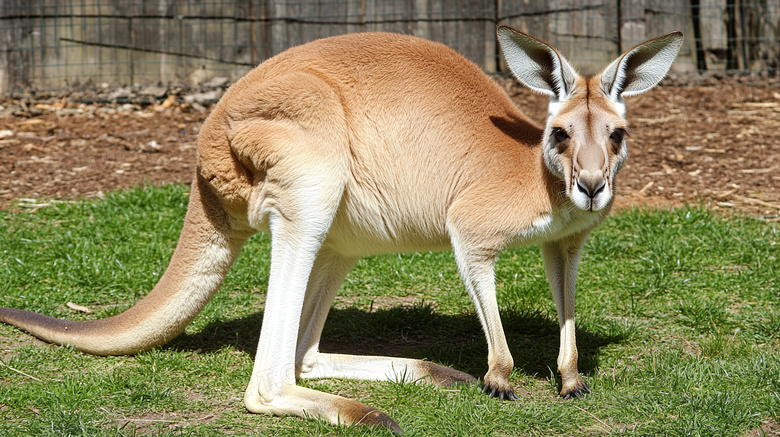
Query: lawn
[678, 326]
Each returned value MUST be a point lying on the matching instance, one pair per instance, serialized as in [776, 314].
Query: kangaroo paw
[503, 392]
[445, 376]
[377, 418]
[577, 389]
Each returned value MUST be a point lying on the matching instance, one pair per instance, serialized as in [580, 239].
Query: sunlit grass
[678, 330]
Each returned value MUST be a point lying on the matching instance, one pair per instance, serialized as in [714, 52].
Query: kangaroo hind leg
[328, 273]
[303, 202]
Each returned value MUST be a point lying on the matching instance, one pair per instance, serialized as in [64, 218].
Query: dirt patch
[92, 149]
[377, 302]
[716, 143]
[770, 428]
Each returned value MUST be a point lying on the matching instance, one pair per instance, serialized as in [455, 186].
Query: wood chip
[647, 187]
[762, 104]
[77, 307]
[169, 102]
[759, 170]
[757, 202]
[741, 113]
[726, 194]
[658, 120]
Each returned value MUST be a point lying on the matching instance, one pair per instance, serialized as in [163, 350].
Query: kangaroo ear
[536, 64]
[642, 67]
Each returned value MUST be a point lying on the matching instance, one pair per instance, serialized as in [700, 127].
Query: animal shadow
[418, 331]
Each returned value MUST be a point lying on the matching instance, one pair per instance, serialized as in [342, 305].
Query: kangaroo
[379, 143]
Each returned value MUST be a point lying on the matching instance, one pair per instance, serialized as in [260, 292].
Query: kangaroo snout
[591, 183]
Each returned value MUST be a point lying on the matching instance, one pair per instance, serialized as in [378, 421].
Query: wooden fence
[62, 43]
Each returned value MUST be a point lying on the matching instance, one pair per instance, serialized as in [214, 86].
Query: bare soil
[715, 142]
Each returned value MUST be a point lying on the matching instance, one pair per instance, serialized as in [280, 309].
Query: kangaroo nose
[591, 183]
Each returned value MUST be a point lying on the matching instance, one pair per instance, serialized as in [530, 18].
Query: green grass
[678, 330]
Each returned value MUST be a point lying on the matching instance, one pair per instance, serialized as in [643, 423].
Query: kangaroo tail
[207, 247]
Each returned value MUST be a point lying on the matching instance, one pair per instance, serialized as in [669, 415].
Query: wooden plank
[474, 31]
[422, 14]
[632, 23]
[585, 31]
[279, 40]
[759, 28]
[463, 25]
[664, 16]
[320, 19]
[642, 20]
[356, 16]
[390, 16]
[436, 28]
[712, 19]
[529, 17]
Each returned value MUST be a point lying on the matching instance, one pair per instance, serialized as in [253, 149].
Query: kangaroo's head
[584, 138]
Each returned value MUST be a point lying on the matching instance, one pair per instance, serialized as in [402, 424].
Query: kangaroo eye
[559, 134]
[618, 135]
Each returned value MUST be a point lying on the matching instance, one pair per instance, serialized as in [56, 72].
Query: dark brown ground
[716, 143]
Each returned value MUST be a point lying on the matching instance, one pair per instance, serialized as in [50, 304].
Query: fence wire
[66, 43]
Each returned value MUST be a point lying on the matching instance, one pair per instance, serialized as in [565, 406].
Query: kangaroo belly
[374, 220]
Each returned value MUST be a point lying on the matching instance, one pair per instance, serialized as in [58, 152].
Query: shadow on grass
[419, 332]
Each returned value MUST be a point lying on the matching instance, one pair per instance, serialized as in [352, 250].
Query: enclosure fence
[67, 43]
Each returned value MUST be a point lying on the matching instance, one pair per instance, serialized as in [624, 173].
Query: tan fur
[377, 143]
[207, 247]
